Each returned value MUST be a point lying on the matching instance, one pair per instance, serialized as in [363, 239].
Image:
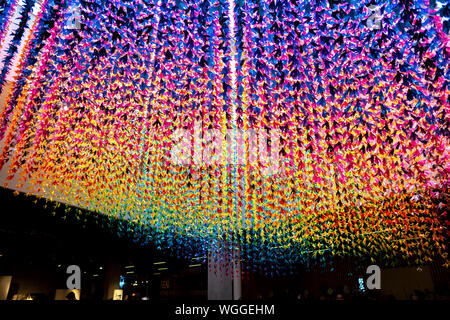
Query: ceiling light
[198, 258]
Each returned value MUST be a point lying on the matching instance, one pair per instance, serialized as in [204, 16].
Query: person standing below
[71, 296]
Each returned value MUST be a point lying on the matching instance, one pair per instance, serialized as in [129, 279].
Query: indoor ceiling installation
[284, 131]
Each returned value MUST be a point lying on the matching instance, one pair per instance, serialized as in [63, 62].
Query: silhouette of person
[71, 296]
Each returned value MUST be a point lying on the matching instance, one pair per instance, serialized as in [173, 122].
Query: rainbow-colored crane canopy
[287, 129]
